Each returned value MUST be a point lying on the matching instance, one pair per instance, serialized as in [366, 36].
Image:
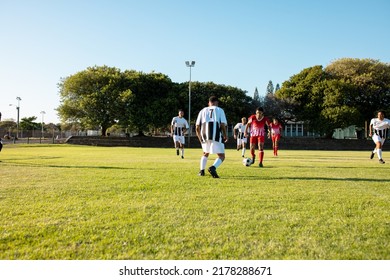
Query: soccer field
[82, 202]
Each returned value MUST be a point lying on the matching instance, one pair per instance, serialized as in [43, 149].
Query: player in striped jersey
[179, 126]
[211, 131]
[378, 131]
[256, 125]
[239, 131]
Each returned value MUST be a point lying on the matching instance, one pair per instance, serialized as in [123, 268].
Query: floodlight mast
[190, 65]
[17, 119]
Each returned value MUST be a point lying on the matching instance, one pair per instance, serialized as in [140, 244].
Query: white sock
[217, 162]
[203, 162]
[182, 152]
[379, 151]
[243, 151]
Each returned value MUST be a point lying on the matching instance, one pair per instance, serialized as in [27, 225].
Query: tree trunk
[104, 130]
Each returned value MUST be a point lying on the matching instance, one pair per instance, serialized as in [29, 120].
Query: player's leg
[379, 146]
[219, 149]
[176, 144]
[375, 138]
[261, 151]
[252, 148]
[243, 147]
[182, 142]
[273, 144]
[276, 145]
[203, 163]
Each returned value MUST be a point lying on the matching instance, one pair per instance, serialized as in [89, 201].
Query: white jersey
[210, 120]
[380, 126]
[178, 125]
[240, 127]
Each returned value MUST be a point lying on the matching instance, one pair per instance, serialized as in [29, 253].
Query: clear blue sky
[241, 43]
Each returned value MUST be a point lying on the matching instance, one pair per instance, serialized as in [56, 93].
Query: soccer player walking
[211, 131]
[378, 131]
[275, 133]
[179, 126]
[256, 125]
[239, 131]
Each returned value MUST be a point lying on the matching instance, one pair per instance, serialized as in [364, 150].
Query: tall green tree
[270, 88]
[256, 99]
[93, 97]
[148, 105]
[345, 93]
[304, 94]
[29, 123]
[365, 84]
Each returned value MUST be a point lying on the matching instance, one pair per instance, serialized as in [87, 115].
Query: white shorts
[180, 139]
[213, 147]
[376, 138]
[241, 141]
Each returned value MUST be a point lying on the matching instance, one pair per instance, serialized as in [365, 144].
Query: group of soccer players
[211, 130]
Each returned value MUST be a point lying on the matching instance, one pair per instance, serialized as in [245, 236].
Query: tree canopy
[101, 96]
[346, 92]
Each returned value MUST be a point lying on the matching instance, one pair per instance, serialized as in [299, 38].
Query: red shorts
[275, 137]
[257, 139]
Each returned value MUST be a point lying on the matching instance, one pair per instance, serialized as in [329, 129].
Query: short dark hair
[381, 111]
[213, 99]
[260, 109]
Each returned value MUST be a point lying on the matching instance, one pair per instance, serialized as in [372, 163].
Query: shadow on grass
[316, 179]
[68, 166]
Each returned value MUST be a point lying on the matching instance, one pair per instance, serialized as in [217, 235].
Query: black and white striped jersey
[240, 128]
[380, 127]
[178, 126]
[210, 120]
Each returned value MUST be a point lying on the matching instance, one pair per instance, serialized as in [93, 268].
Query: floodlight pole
[17, 117]
[17, 123]
[190, 65]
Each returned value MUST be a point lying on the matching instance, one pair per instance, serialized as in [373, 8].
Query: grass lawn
[82, 202]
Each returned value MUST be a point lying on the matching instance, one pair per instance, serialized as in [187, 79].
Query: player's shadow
[317, 179]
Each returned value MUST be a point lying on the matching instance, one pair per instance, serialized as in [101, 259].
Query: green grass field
[82, 202]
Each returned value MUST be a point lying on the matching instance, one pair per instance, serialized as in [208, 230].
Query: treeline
[346, 92]
[101, 97]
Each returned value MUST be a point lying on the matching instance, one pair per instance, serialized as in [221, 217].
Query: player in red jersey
[256, 126]
[275, 133]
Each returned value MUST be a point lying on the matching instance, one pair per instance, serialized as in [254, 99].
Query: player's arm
[172, 129]
[235, 133]
[185, 128]
[370, 134]
[246, 133]
[197, 129]
[224, 134]
[172, 125]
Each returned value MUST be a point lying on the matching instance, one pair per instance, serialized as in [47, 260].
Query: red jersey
[275, 128]
[257, 126]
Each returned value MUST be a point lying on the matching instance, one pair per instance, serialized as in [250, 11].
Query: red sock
[261, 155]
